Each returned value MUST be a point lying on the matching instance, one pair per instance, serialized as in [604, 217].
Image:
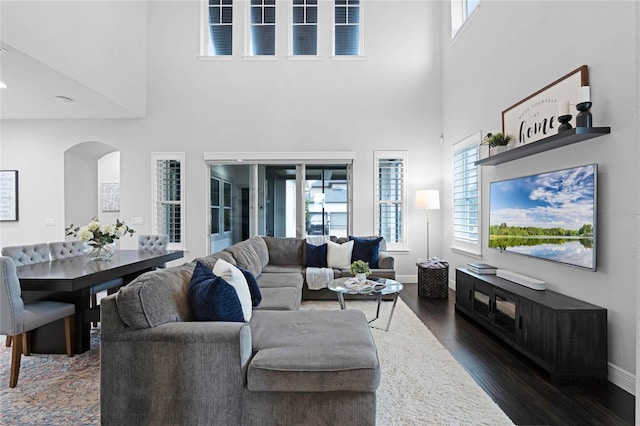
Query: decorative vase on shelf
[361, 276]
[498, 149]
[97, 251]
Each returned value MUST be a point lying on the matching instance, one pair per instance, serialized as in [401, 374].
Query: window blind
[220, 27]
[263, 27]
[390, 198]
[347, 27]
[169, 199]
[305, 27]
[465, 194]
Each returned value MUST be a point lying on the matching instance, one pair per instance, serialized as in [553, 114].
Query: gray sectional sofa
[283, 367]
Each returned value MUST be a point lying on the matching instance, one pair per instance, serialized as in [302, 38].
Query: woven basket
[433, 282]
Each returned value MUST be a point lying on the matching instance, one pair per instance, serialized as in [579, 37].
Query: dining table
[70, 280]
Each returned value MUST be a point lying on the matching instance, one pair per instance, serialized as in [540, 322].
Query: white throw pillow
[234, 276]
[339, 255]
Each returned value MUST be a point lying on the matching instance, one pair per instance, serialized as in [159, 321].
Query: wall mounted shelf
[556, 141]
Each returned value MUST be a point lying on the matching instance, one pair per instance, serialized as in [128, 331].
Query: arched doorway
[90, 168]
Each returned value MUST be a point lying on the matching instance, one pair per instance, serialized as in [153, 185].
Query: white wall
[508, 51]
[101, 44]
[390, 100]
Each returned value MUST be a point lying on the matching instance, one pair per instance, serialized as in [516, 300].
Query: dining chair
[153, 242]
[18, 317]
[65, 249]
[26, 255]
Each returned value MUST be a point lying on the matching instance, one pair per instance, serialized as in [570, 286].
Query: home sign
[536, 116]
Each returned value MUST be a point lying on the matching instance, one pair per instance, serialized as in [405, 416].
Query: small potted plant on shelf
[360, 269]
[498, 142]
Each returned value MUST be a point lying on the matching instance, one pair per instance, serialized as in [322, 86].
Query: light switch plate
[137, 221]
[49, 221]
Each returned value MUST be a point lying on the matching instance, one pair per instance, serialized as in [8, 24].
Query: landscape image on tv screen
[548, 215]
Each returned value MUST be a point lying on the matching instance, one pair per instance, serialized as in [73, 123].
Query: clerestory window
[263, 27]
[305, 27]
[220, 27]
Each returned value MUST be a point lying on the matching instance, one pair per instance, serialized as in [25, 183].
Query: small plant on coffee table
[360, 267]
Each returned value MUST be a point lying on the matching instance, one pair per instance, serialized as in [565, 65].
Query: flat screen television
[549, 216]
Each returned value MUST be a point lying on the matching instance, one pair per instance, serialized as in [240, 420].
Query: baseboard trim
[408, 279]
[622, 378]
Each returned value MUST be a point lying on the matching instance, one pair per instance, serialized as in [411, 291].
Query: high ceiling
[32, 88]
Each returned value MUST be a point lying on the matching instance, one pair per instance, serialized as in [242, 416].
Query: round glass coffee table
[376, 287]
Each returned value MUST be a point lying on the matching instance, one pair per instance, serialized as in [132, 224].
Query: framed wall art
[8, 195]
[110, 197]
[536, 116]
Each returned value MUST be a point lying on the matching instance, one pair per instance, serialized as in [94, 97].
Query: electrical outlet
[137, 221]
[49, 221]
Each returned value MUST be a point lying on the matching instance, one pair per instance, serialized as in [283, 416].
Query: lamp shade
[428, 199]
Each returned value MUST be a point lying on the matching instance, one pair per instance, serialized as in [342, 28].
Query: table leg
[341, 301]
[393, 308]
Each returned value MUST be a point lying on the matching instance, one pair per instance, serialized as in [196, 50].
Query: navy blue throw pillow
[367, 249]
[212, 298]
[254, 288]
[315, 256]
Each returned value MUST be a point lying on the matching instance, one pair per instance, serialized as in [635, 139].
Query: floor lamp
[428, 199]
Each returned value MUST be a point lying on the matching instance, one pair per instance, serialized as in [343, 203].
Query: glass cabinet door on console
[504, 312]
[482, 301]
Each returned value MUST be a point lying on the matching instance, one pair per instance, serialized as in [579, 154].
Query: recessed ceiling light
[60, 98]
[2, 85]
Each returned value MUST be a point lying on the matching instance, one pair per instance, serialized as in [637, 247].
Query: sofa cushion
[212, 298]
[366, 249]
[285, 251]
[281, 279]
[312, 351]
[279, 269]
[232, 275]
[315, 256]
[246, 256]
[260, 246]
[254, 288]
[280, 299]
[339, 255]
[156, 298]
[210, 260]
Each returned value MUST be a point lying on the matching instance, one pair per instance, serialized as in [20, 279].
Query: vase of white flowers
[100, 239]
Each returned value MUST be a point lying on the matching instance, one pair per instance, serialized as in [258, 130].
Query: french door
[276, 198]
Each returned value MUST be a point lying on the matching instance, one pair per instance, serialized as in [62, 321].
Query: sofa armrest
[385, 261]
[170, 373]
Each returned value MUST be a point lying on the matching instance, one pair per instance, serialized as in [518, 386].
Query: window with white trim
[219, 24]
[466, 195]
[221, 207]
[168, 197]
[460, 12]
[391, 198]
[263, 27]
[304, 37]
[347, 37]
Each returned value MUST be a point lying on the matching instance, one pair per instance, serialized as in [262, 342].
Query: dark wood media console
[565, 336]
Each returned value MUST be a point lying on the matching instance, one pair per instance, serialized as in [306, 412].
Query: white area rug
[422, 384]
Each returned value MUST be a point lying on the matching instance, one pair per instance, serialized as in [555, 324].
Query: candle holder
[584, 119]
[564, 120]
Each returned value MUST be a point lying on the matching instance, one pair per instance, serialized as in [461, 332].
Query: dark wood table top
[76, 273]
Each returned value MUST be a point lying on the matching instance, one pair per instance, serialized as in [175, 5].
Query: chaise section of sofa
[285, 367]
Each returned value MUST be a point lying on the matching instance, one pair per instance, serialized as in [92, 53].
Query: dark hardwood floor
[516, 384]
